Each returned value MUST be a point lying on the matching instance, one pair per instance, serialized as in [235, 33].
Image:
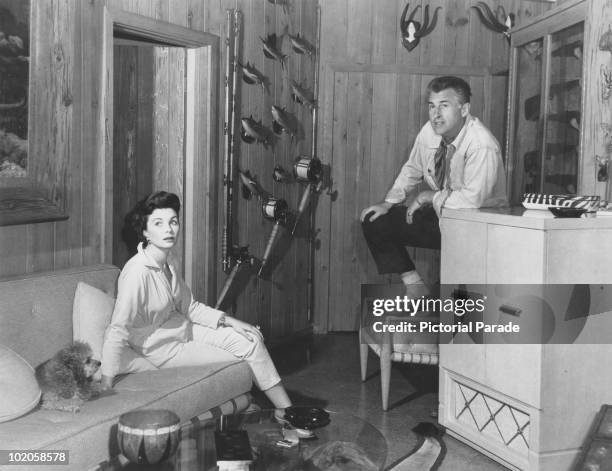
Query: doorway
[148, 130]
[159, 112]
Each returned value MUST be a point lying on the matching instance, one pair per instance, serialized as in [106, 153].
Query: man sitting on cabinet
[458, 158]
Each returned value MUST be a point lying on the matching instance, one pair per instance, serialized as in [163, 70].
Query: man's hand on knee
[375, 211]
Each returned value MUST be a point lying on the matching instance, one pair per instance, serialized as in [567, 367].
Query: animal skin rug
[428, 454]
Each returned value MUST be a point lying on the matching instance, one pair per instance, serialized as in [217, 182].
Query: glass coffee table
[346, 443]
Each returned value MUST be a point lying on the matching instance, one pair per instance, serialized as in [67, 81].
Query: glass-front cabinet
[546, 90]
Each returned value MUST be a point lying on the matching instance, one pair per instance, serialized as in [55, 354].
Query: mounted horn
[489, 19]
[412, 31]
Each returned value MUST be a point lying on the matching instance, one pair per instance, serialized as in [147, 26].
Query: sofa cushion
[91, 314]
[90, 434]
[18, 387]
[36, 314]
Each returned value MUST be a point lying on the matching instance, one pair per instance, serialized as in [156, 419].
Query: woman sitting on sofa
[156, 316]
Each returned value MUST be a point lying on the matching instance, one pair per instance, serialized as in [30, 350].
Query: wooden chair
[416, 348]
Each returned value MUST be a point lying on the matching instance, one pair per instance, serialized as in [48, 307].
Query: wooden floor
[324, 371]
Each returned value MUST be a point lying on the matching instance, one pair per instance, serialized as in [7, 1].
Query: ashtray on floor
[307, 418]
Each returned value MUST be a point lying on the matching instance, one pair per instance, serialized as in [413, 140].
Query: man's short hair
[460, 86]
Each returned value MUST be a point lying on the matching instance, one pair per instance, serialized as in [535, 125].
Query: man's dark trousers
[388, 235]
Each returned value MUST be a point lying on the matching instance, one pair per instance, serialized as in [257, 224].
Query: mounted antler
[489, 19]
[412, 31]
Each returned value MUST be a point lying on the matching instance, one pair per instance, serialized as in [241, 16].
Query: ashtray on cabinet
[567, 212]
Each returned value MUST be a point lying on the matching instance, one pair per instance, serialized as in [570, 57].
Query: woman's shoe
[301, 432]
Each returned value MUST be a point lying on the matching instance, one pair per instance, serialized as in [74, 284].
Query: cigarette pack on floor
[233, 450]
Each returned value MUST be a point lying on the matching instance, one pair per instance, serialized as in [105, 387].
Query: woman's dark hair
[135, 221]
[461, 87]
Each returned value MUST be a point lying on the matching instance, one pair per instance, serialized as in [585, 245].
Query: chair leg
[385, 375]
[363, 358]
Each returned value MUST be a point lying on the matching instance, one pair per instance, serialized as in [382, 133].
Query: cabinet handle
[511, 310]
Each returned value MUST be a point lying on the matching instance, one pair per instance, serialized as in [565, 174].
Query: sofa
[36, 320]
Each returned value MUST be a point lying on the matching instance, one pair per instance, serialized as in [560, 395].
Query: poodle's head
[78, 357]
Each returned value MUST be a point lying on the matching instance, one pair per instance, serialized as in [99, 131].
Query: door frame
[201, 136]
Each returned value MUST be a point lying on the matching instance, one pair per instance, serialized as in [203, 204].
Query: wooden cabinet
[546, 102]
[528, 406]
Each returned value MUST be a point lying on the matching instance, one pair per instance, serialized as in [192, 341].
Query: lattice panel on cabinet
[488, 416]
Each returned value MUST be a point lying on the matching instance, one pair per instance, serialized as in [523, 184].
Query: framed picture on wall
[26, 194]
[14, 80]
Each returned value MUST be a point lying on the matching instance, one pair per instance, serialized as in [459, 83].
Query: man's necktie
[440, 163]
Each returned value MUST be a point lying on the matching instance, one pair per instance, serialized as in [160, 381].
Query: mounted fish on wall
[272, 49]
[280, 175]
[255, 131]
[284, 121]
[251, 187]
[283, 3]
[302, 95]
[491, 21]
[301, 45]
[252, 76]
[412, 31]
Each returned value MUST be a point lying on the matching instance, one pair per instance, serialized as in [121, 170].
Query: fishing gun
[275, 210]
[309, 171]
[242, 257]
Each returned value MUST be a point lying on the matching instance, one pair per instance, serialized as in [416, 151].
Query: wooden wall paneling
[105, 163]
[308, 29]
[431, 47]
[214, 20]
[293, 310]
[243, 107]
[358, 175]
[252, 157]
[255, 300]
[176, 124]
[338, 160]
[202, 171]
[92, 137]
[152, 8]
[359, 31]
[249, 102]
[384, 123]
[42, 135]
[298, 256]
[597, 111]
[125, 122]
[281, 305]
[480, 102]
[40, 247]
[161, 119]
[498, 59]
[66, 162]
[74, 195]
[196, 16]
[454, 21]
[264, 17]
[482, 41]
[200, 270]
[12, 250]
[177, 14]
[144, 124]
[334, 27]
[385, 31]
